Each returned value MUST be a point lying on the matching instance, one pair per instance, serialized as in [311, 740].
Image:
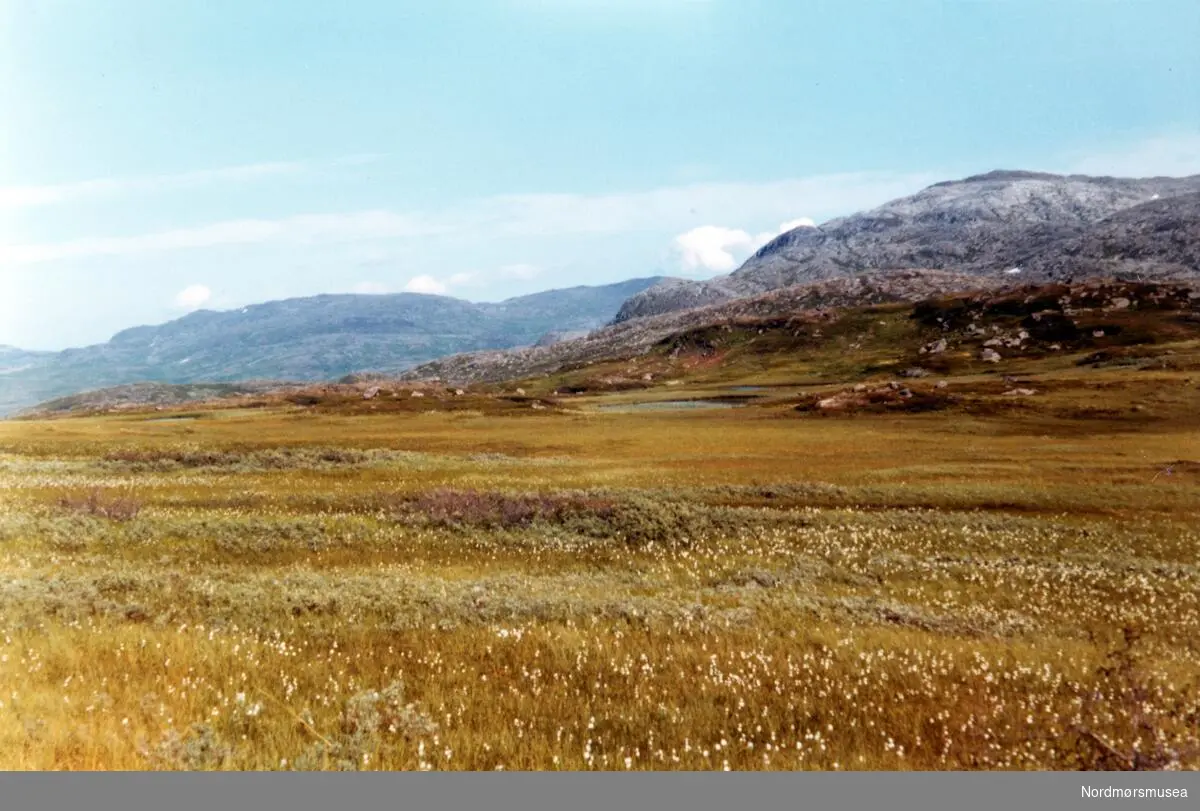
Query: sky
[159, 157]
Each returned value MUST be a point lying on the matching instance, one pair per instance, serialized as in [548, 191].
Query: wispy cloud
[294, 230]
[1171, 155]
[18, 197]
[454, 282]
[669, 209]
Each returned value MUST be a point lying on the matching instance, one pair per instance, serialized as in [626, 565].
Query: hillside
[1059, 350]
[317, 338]
[900, 342]
[637, 336]
[1159, 239]
[983, 225]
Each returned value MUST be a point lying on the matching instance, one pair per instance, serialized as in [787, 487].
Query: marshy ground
[1005, 582]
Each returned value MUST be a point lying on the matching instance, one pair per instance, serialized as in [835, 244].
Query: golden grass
[945, 590]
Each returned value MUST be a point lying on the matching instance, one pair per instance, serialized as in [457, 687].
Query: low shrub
[635, 520]
[94, 503]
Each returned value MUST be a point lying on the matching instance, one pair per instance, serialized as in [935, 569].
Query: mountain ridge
[983, 225]
[307, 338]
[974, 233]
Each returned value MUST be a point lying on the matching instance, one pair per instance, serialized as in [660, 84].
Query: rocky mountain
[637, 336]
[1001, 227]
[983, 225]
[1159, 239]
[316, 338]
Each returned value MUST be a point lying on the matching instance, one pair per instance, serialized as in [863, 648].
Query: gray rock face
[676, 294]
[982, 225]
[551, 338]
[1159, 239]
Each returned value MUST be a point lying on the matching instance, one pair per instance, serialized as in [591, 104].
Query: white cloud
[668, 209]
[425, 284]
[801, 222]
[477, 278]
[712, 247]
[305, 229]
[717, 248]
[192, 297]
[1172, 155]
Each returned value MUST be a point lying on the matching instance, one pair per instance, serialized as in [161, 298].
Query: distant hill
[306, 339]
[1005, 227]
[133, 396]
[1049, 226]
[15, 360]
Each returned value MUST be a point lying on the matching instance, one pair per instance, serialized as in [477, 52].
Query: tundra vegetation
[1005, 575]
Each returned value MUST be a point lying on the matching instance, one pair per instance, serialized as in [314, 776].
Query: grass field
[1011, 583]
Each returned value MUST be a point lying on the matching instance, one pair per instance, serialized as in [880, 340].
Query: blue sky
[158, 156]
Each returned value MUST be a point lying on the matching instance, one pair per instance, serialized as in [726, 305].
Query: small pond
[670, 405]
